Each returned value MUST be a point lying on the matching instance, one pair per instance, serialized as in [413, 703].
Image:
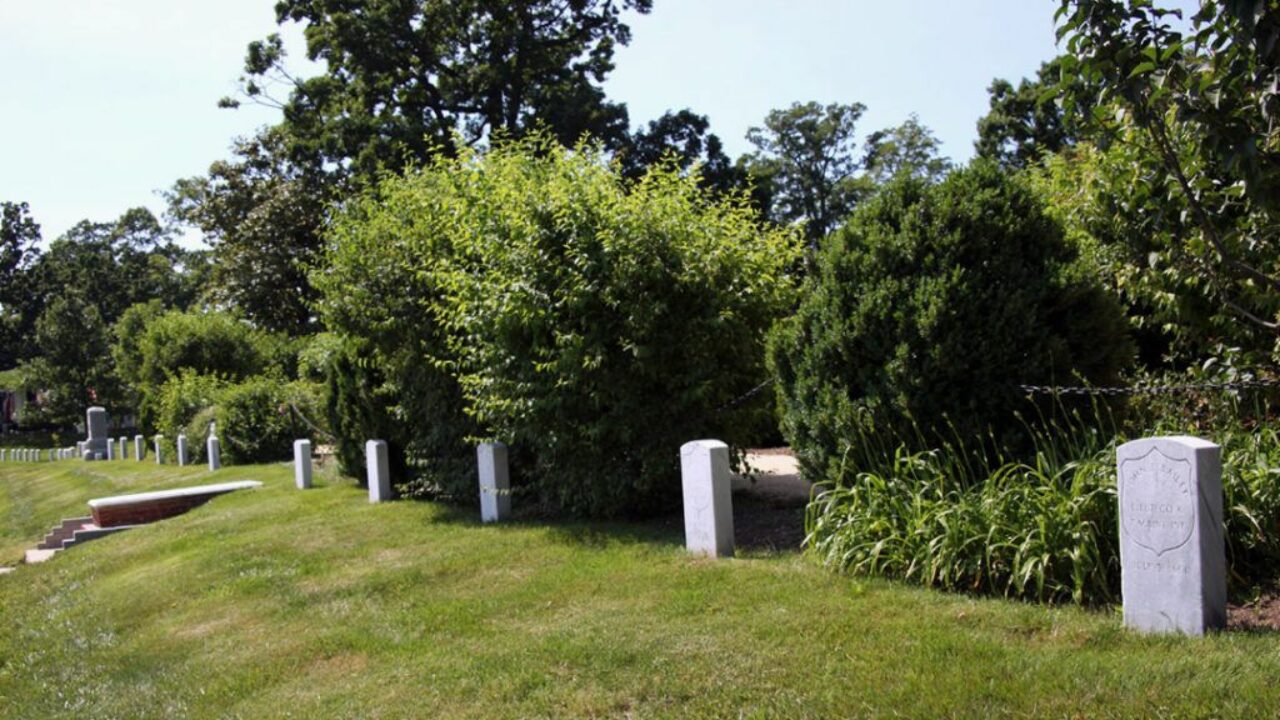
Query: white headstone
[708, 505]
[1172, 561]
[159, 450]
[182, 449]
[214, 451]
[495, 482]
[379, 470]
[139, 447]
[302, 464]
[124, 449]
[111, 450]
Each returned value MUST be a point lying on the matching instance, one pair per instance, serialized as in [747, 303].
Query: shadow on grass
[760, 526]
[664, 530]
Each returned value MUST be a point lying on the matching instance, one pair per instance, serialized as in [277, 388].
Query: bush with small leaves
[593, 323]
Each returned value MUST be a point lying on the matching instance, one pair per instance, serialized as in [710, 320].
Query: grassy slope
[278, 603]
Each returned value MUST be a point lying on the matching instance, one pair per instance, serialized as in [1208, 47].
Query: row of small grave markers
[1172, 554]
[705, 479]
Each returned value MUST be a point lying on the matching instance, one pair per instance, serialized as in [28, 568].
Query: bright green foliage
[258, 419]
[1195, 99]
[178, 401]
[958, 519]
[926, 312]
[1136, 239]
[1044, 530]
[202, 343]
[597, 324]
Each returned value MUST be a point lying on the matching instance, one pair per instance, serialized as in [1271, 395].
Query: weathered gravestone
[495, 482]
[213, 449]
[111, 449]
[159, 449]
[96, 426]
[139, 447]
[708, 505]
[182, 449]
[302, 464]
[1172, 563]
[379, 470]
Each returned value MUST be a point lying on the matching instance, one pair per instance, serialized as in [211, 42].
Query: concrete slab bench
[149, 507]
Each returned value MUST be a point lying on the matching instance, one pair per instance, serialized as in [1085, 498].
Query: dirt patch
[1261, 615]
[768, 514]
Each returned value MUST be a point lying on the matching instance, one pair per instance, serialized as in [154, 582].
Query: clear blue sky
[108, 102]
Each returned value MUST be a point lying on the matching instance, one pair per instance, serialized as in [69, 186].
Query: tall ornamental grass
[1045, 529]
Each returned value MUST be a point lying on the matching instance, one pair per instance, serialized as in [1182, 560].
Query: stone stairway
[63, 531]
[68, 533]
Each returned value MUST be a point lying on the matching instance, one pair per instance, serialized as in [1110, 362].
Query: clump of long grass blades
[975, 516]
[967, 516]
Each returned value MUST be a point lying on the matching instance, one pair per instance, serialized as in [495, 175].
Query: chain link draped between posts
[1146, 389]
[308, 423]
[743, 397]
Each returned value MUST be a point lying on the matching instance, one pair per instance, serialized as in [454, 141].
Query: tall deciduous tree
[807, 153]
[405, 78]
[117, 264]
[1026, 122]
[74, 367]
[263, 216]
[19, 236]
[685, 138]
[910, 149]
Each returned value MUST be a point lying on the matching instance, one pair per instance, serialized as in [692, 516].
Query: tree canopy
[1200, 107]
[807, 151]
[407, 78]
[1026, 123]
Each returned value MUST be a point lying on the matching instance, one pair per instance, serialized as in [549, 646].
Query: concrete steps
[69, 533]
[92, 532]
[63, 531]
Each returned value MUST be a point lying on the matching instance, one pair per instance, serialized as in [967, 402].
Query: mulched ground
[1261, 615]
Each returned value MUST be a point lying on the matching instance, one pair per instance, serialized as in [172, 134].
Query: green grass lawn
[279, 603]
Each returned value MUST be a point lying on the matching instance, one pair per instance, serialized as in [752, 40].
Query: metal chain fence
[1147, 389]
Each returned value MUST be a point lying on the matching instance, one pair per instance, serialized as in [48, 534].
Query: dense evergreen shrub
[925, 313]
[358, 408]
[595, 324]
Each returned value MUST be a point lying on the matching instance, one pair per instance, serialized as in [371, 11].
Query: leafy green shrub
[204, 344]
[596, 324]
[257, 420]
[179, 401]
[925, 313]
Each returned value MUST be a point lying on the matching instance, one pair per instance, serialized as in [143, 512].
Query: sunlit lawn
[280, 603]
